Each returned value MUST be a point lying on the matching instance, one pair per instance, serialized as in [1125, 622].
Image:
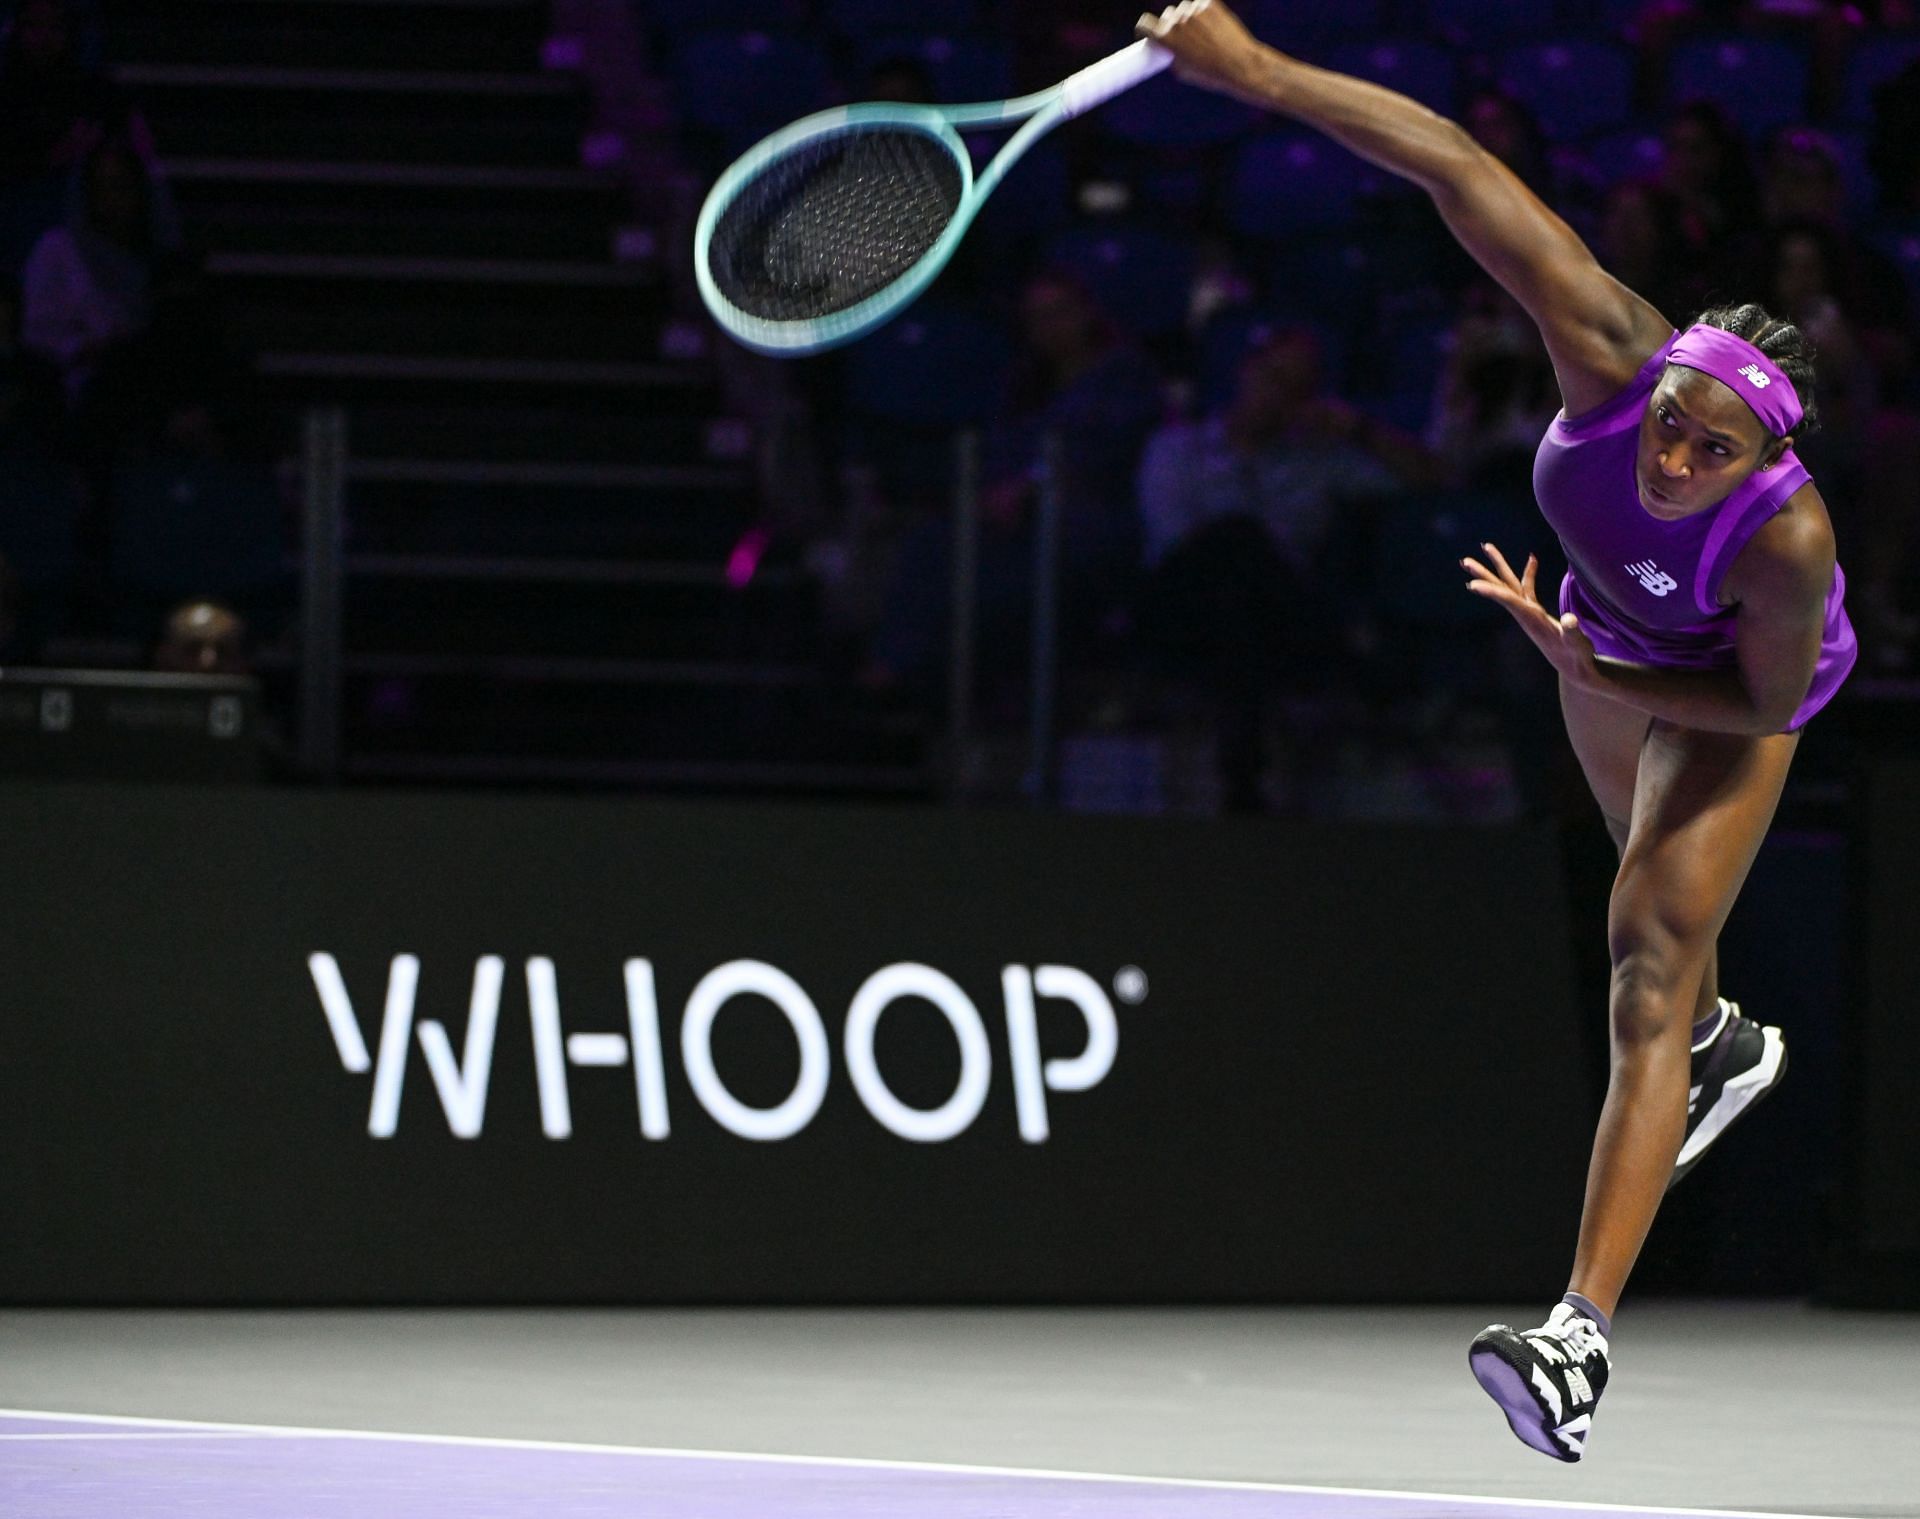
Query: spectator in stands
[32, 407]
[1503, 125]
[54, 108]
[1805, 187]
[1649, 242]
[1870, 441]
[206, 638]
[1284, 452]
[1802, 179]
[1079, 379]
[1805, 270]
[203, 638]
[1892, 503]
[1894, 146]
[1401, 218]
[88, 285]
[1707, 165]
[1497, 394]
[1249, 530]
[1851, 300]
[1507, 130]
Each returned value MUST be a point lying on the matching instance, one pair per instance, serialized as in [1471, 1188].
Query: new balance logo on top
[1653, 578]
[1578, 1385]
[1755, 376]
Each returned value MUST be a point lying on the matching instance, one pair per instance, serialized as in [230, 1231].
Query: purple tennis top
[1646, 590]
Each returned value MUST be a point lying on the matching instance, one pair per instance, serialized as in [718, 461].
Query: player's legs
[1702, 804]
[1607, 738]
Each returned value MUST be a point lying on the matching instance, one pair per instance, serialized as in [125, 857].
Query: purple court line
[215, 1471]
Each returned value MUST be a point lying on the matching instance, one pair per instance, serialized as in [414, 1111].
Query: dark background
[1879, 1259]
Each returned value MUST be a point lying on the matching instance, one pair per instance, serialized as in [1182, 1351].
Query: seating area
[566, 496]
[402, 211]
[1199, 228]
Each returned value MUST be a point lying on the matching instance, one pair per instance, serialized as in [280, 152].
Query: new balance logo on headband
[1653, 578]
[1755, 376]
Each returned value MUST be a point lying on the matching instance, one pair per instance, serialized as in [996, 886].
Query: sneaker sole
[1494, 1368]
[1737, 1098]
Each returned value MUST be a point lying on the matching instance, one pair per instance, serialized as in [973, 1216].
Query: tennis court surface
[930, 1414]
[60, 1467]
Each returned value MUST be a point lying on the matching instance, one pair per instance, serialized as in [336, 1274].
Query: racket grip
[1115, 75]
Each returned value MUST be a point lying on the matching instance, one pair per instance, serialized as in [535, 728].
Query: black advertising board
[1877, 1259]
[283, 1047]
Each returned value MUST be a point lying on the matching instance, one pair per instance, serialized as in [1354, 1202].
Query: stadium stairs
[396, 207]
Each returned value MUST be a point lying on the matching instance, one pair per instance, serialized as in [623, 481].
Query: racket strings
[822, 228]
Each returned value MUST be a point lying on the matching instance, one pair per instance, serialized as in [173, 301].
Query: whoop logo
[462, 1081]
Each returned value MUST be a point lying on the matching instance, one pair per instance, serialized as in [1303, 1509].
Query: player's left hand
[1568, 649]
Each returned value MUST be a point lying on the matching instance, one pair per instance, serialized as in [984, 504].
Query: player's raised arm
[1597, 331]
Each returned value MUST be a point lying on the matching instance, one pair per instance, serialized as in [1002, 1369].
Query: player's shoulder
[1791, 554]
[1608, 371]
[1801, 531]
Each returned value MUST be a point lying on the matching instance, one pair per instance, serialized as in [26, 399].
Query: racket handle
[1115, 75]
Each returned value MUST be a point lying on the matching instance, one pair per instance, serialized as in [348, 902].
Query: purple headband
[1744, 370]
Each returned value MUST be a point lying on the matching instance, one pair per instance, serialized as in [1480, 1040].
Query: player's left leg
[1702, 804]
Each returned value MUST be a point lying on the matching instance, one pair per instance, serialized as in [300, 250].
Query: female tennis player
[1699, 630]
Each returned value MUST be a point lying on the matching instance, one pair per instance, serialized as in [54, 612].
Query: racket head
[792, 257]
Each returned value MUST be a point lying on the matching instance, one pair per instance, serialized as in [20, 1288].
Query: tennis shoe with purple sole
[1737, 1064]
[1547, 1381]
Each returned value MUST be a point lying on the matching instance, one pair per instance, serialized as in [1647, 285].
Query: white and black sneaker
[1736, 1065]
[1547, 1381]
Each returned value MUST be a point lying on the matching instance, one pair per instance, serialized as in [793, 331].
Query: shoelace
[1582, 1338]
[1572, 1340]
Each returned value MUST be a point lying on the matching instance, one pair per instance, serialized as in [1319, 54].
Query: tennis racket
[824, 230]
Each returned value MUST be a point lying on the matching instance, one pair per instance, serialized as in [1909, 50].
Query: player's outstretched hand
[1210, 46]
[1567, 649]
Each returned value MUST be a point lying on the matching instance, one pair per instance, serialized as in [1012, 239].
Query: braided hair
[1790, 349]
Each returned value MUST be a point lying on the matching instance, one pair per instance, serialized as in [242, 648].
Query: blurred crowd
[1282, 401]
[1285, 401]
[117, 390]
